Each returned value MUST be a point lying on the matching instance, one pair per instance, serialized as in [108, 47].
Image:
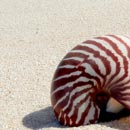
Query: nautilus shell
[94, 77]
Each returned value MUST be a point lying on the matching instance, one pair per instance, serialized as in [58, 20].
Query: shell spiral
[88, 76]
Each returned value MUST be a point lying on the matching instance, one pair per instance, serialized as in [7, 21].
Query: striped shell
[88, 76]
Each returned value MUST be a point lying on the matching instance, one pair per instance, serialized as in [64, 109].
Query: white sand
[34, 36]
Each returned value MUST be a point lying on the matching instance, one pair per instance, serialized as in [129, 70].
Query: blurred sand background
[34, 37]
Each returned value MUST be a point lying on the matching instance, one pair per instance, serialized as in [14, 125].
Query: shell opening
[107, 103]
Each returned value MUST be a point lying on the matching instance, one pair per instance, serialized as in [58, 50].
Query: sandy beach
[34, 36]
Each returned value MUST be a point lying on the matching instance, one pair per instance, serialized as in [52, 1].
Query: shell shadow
[108, 116]
[44, 118]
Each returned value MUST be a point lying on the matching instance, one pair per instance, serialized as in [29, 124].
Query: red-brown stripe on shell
[88, 76]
